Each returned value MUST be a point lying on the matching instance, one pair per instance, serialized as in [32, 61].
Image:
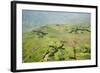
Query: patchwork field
[57, 42]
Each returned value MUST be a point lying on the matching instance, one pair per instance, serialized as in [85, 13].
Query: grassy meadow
[56, 42]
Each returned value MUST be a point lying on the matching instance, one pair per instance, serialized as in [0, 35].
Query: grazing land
[57, 42]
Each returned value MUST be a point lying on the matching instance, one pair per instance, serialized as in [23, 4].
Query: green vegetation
[57, 42]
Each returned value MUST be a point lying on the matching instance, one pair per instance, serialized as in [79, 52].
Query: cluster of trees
[79, 29]
[58, 52]
[53, 49]
[40, 33]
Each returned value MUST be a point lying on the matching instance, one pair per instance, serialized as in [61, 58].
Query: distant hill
[35, 18]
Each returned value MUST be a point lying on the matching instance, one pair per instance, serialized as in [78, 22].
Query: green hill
[57, 42]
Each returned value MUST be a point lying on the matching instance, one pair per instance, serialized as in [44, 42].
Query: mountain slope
[55, 42]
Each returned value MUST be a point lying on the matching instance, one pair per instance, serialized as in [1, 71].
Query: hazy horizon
[32, 18]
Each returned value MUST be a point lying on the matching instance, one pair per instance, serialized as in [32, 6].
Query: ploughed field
[57, 42]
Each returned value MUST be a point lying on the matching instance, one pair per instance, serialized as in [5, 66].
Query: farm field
[57, 42]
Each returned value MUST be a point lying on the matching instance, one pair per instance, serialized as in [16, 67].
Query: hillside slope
[57, 42]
